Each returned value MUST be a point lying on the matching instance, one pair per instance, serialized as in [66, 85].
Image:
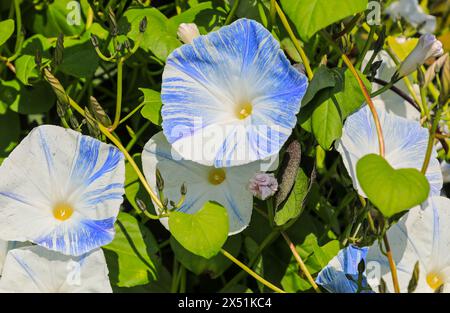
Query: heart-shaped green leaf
[202, 233]
[391, 190]
[6, 30]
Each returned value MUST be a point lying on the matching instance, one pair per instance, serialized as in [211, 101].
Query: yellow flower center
[62, 211]
[216, 176]
[434, 280]
[244, 110]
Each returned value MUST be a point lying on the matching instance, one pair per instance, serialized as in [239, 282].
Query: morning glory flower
[38, 270]
[231, 97]
[227, 186]
[428, 47]
[413, 13]
[389, 100]
[341, 274]
[423, 235]
[61, 190]
[405, 144]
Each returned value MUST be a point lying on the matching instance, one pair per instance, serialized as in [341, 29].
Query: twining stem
[250, 272]
[61, 93]
[294, 40]
[300, 262]
[232, 12]
[265, 243]
[363, 89]
[391, 264]
[138, 134]
[131, 113]
[431, 139]
[119, 94]
[20, 34]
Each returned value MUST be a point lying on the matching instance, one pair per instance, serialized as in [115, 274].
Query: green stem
[364, 91]
[138, 134]
[131, 113]
[294, 40]
[119, 94]
[366, 48]
[300, 262]
[232, 12]
[265, 243]
[250, 272]
[20, 35]
[431, 139]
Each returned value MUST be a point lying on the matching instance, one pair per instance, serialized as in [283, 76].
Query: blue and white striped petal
[231, 192]
[422, 235]
[341, 273]
[405, 144]
[35, 269]
[232, 94]
[62, 190]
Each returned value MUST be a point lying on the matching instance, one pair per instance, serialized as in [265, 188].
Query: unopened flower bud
[159, 180]
[263, 185]
[428, 47]
[183, 189]
[445, 167]
[143, 25]
[187, 32]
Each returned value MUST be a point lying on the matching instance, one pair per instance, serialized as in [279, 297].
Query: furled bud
[187, 32]
[445, 167]
[159, 180]
[428, 47]
[263, 185]
[143, 25]
[94, 41]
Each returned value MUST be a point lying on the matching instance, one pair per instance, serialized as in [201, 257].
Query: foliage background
[324, 211]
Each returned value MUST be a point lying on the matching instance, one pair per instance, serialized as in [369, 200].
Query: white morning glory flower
[341, 273]
[38, 270]
[227, 186]
[61, 190]
[389, 100]
[405, 144]
[413, 13]
[231, 97]
[428, 47]
[423, 235]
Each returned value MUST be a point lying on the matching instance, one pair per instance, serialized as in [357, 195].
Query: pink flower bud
[187, 32]
[263, 185]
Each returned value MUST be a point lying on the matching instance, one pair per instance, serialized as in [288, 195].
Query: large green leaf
[131, 255]
[160, 36]
[6, 30]
[294, 204]
[213, 267]
[327, 123]
[76, 50]
[310, 16]
[152, 107]
[202, 233]
[327, 104]
[391, 190]
[25, 64]
[52, 20]
[315, 258]
[24, 99]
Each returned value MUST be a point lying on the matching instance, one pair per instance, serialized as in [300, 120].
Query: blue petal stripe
[80, 237]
